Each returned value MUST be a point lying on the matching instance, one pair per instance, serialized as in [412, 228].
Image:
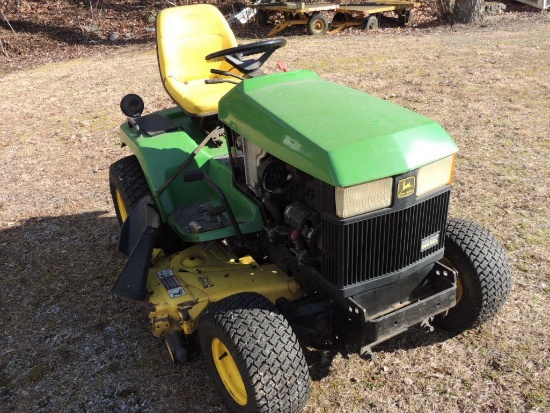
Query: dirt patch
[48, 31]
[68, 345]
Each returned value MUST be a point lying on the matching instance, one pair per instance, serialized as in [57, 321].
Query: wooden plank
[378, 7]
[296, 7]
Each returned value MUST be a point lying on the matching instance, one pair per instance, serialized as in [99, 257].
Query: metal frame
[299, 13]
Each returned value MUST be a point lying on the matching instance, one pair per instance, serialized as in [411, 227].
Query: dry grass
[68, 345]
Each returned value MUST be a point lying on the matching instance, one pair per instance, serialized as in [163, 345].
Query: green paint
[162, 155]
[339, 135]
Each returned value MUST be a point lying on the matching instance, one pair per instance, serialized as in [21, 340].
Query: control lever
[225, 73]
[214, 81]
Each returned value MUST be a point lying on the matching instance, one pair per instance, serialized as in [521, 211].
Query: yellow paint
[185, 35]
[452, 178]
[406, 186]
[283, 25]
[229, 372]
[459, 289]
[207, 276]
[170, 352]
[158, 254]
[121, 207]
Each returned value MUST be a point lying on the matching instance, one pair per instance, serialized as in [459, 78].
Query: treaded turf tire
[484, 275]
[127, 181]
[126, 177]
[265, 350]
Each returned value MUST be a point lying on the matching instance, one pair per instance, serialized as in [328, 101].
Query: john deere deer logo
[406, 186]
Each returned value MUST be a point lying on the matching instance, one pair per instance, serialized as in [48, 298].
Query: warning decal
[206, 282]
[171, 283]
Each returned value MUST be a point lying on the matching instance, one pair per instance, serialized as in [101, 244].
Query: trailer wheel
[253, 356]
[371, 23]
[317, 24]
[128, 185]
[404, 17]
[484, 276]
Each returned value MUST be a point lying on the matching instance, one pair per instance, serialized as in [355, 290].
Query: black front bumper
[367, 319]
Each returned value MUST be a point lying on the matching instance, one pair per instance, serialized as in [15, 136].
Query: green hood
[339, 135]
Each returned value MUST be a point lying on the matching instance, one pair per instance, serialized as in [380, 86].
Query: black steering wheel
[235, 55]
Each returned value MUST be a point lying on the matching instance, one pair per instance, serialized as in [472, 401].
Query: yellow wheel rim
[121, 206]
[228, 372]
[458, 290]
[319, 25]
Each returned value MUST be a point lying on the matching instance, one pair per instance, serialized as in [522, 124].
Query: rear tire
[484, 276]
[253, 356]
[128, 185]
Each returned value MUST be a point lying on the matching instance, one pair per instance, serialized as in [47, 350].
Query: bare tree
[2, 48]
[467, 11]
[462, 11]
[4, 16]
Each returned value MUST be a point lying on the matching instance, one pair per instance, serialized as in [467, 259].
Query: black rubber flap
[137, 238]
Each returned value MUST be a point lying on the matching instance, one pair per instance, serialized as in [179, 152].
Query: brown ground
[68, 345]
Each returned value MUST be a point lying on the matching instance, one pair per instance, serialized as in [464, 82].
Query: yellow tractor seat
[185, 36]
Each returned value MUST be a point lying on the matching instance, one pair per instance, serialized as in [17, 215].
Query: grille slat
[364, 250]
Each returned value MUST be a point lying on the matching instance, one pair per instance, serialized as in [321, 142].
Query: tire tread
[127, 176]
[269, 349]
[487, 258]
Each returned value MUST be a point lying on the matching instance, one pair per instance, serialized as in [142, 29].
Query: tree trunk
[468, 11]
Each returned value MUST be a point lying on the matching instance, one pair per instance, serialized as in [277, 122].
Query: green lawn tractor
[265, 206]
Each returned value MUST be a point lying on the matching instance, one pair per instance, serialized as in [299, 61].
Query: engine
[324, 236]
[287, 197]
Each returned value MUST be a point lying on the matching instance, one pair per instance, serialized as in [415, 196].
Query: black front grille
[367, 249]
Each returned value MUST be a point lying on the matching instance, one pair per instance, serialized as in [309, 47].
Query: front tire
[253, 356]
[484, 277]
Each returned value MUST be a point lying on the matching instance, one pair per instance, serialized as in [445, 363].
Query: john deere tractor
[261, 206]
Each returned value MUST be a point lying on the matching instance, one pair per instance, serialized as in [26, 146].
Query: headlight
[363, 198]
[435, 175]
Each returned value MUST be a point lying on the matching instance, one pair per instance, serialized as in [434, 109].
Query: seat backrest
[185, 35]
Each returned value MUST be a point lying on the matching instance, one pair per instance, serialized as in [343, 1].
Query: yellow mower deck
[182, 286]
